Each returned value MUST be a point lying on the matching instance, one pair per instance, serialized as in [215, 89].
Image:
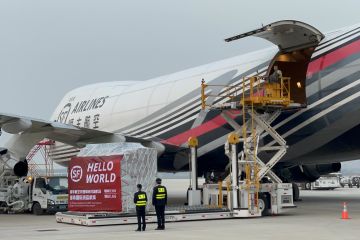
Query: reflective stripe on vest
[161, 193]
[140, 202]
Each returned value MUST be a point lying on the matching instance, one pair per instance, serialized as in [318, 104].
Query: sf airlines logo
[64, 113]
[79, 107]
[76, 173]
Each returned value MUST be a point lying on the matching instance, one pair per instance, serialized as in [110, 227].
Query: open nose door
[288, 35]
[296, 42]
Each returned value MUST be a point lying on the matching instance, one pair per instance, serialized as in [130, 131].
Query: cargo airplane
[165, 111]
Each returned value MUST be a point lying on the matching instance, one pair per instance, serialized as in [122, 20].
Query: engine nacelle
[21, 168]
[9, 164]
[309, 173]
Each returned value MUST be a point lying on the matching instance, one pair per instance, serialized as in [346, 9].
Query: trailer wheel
[36, 209]
[264, 204]
[296, 192]
[3, 207]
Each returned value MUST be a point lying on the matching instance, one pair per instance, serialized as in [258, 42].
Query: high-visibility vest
[160, 193]
[141, 200]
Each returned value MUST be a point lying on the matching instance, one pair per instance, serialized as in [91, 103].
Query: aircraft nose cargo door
[296, 42]
[288, 35]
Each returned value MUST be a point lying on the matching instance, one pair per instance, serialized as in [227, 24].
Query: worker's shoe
[138, 230]
[158, 228]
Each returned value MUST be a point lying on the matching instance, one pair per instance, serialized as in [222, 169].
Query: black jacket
[159, 197]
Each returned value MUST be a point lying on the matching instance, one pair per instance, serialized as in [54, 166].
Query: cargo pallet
[106, 218]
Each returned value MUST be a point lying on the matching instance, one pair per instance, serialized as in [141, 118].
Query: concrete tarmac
[316, 217]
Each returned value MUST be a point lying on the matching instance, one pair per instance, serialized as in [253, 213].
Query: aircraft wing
[69, 134]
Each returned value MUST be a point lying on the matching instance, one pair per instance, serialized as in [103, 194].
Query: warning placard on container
[95, 184]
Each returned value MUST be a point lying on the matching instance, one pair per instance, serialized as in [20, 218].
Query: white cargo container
[138, 165]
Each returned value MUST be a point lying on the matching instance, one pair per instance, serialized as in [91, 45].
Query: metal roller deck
[172, 214]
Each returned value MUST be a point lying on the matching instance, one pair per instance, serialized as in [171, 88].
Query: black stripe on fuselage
[336, 47]
[193, 104]
[176, 131]
[324, 122]
[163, 124]
[330, 102]
[323, 73]
[333, 87]
[337, 39]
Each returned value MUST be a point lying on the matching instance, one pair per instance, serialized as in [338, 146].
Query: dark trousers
[140, 213]
[160, 213]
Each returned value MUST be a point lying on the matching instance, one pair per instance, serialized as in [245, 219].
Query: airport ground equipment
[172, 214]
[355, 181]
[21, 192]
[41, 149]
[33, 194]
[352, 181]
[194, 193]
[326, 182]
[251, 115]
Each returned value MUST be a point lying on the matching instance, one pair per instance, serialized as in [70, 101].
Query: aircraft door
[296, 42]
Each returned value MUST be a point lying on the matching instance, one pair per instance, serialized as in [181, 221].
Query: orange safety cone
[345, 214]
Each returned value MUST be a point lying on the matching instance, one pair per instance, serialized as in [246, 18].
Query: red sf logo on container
[76, 173]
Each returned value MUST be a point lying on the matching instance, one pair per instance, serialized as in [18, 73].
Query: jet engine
[309, 173]
[12, 166]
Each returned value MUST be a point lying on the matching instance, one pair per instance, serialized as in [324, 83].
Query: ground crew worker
[140, 200]
[159, 200]
[276, 75]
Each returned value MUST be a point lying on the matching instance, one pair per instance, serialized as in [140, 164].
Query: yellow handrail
[255, 90]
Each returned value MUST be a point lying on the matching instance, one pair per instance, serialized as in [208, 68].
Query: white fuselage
[113, 106]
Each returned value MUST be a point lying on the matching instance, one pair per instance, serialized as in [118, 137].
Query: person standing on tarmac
[159, 200]
[140, 200]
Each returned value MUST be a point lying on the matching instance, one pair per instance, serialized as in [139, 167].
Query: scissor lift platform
[172, 214]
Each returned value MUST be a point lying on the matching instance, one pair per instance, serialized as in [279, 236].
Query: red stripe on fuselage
[333, 57]
[212, 124]
[314, 67]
